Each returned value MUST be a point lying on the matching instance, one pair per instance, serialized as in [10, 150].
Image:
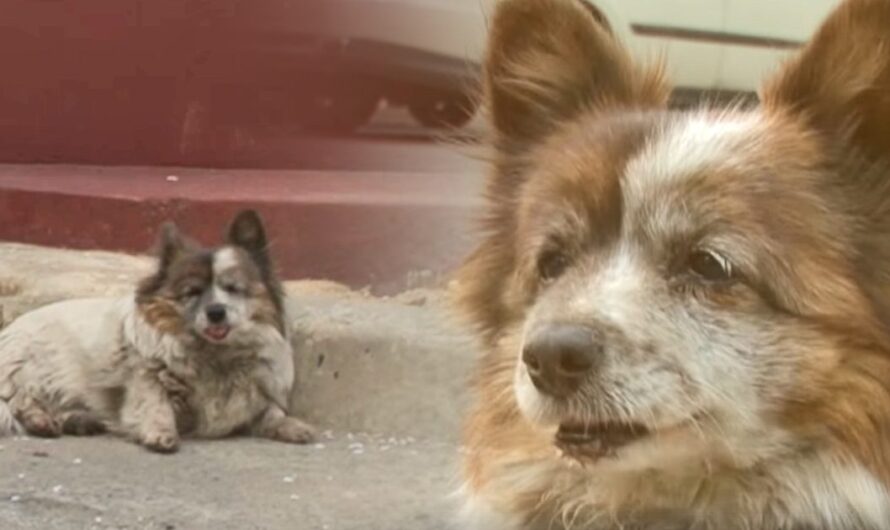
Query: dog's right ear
[840, 82]
[171, 245]
[548, 60]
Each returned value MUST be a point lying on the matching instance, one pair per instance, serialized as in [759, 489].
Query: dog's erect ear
[247, 232]
[549, 59]
[171, 245]
[840, 82]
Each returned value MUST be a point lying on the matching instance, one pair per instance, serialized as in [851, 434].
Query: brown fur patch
[162, 315]
[159, 296]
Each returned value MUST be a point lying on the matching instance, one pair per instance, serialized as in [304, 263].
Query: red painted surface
[191, 82]
[360, 228]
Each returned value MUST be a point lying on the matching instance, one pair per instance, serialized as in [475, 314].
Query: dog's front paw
[292, 430]
[160, 441]
[38, 422]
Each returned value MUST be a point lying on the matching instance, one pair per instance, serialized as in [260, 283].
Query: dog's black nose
[560, 356]
[216, 313]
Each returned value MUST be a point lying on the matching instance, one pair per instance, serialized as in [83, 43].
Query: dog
[200, 349]
[683, 314]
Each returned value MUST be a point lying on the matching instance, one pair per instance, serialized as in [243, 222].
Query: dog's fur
[151, 366]
[765, 393]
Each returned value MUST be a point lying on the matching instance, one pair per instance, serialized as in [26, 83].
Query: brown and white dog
[685, 315]
[201, 349]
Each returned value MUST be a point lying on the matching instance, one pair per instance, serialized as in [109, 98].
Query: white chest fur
[230, 386]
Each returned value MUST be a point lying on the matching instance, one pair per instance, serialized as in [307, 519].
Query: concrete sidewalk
[367, 483]
[383, 378]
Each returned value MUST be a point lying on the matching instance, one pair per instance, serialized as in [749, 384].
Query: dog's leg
[147, 414]
[8, 423]
[179, 393]
[277, 425]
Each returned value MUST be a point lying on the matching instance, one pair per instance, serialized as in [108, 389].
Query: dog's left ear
[247, 231]
[840, 82]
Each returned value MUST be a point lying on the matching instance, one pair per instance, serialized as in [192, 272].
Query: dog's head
[711, 282]
[227, 296]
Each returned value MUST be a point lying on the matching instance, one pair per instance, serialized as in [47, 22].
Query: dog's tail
[8, 424]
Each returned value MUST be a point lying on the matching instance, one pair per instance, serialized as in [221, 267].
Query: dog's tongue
[217, 332]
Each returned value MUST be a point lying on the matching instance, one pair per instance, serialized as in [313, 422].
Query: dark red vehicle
[166, 81]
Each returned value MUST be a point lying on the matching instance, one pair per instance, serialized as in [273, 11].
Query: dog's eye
[191, 292]
[551, 265]
[232, 288]
[711, 266]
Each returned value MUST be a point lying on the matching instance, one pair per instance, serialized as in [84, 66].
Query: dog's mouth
[597, 440]
[217, 332]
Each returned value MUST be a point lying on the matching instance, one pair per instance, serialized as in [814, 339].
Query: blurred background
[327, 115]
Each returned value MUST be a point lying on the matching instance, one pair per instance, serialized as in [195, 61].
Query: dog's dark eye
[711, 266]
[191, 292]
[233, 288]
[551, 265]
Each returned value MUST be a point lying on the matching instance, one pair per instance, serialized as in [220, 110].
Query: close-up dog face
[663, 286]
[226, 296]
[671, 272]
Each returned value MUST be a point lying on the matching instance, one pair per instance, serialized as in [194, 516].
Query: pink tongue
[217, 332]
